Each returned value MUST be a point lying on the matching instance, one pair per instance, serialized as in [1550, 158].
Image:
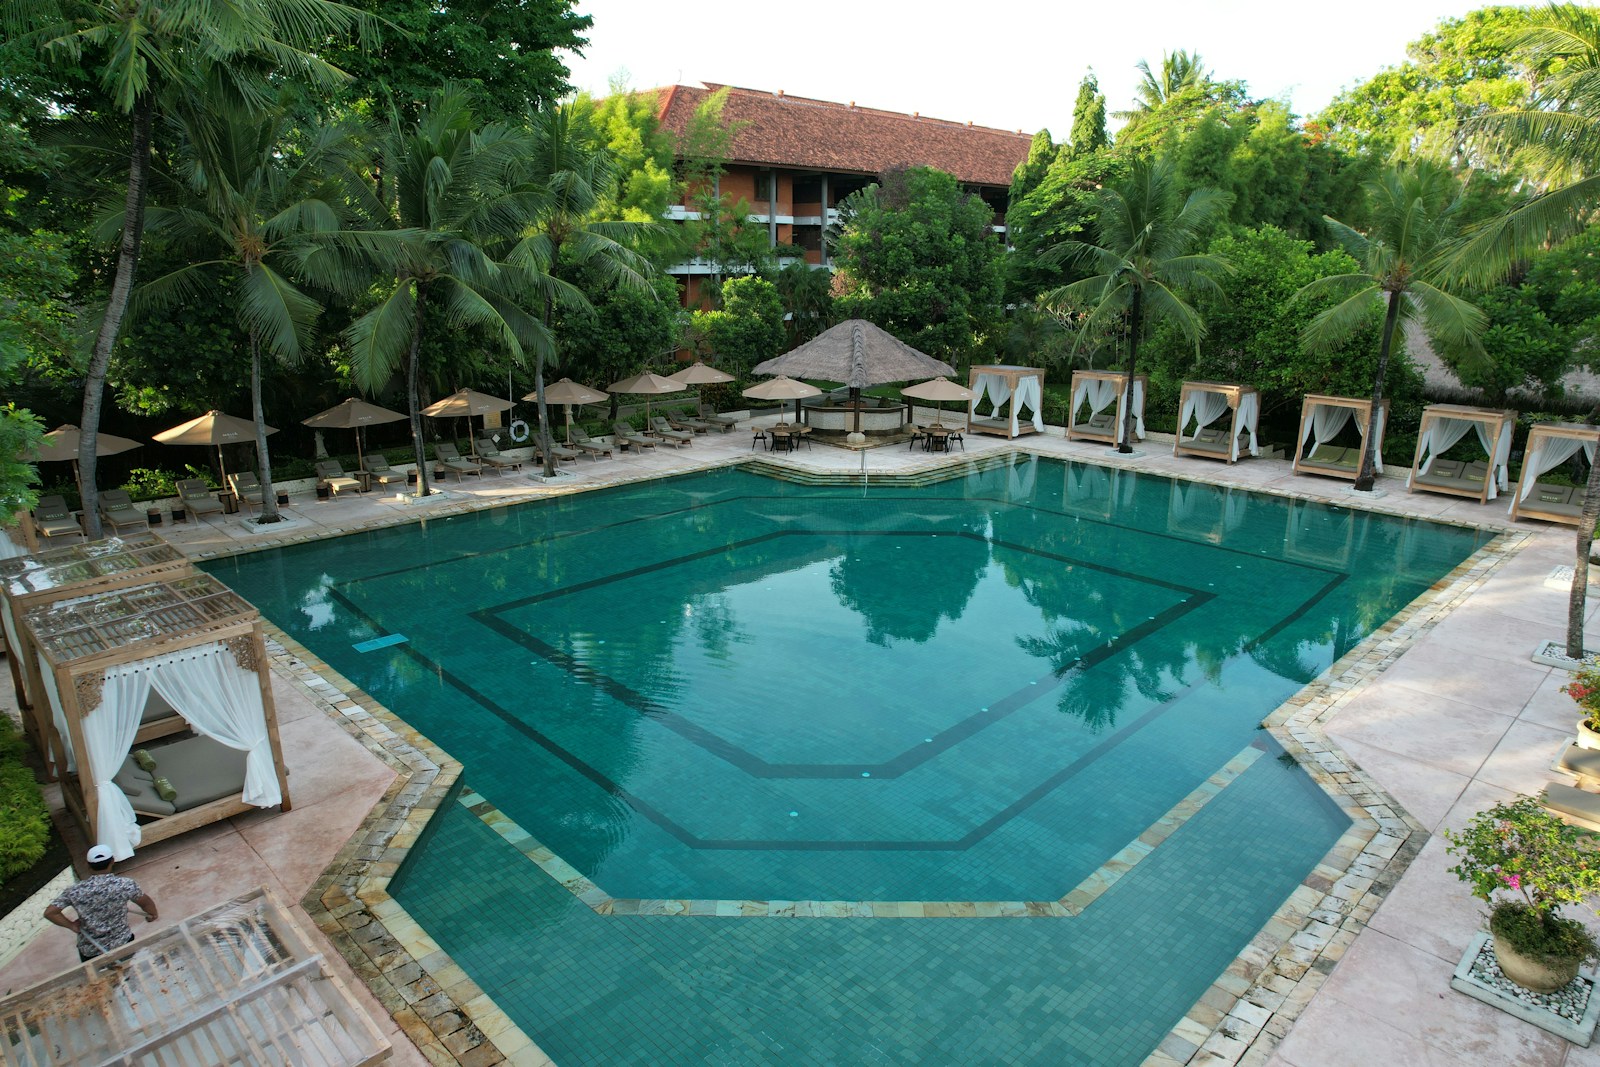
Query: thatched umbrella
[354, 414]
[858, 354]
[213, 428]
[938, 390]
[468, 402]
[61, 445]
[567, 392]
[781, 389]
[646, 385]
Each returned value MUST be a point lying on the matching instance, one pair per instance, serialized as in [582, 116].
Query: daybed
[1322, 419]
[1095, 391]
[1008, 390]
[1441, 427]
[1551, 444]
[1204, 403]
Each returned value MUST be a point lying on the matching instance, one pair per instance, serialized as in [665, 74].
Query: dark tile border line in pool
[1248, 1011]
[1073, 903]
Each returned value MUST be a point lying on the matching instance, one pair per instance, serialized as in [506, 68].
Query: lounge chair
[723, 422]
[662, 430]
[562, 453]
[196, 498]
[627, 436]
[379, 472]
[584, 443]
[684, 422]
[332, 475]
[451, 461]
[247, 487]
[490, 454]
[117, 511]
[52, 518]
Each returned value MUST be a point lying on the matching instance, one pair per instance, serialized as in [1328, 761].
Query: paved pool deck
[1433, 719]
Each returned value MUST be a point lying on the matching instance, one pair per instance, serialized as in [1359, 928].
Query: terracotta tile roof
[796, 132]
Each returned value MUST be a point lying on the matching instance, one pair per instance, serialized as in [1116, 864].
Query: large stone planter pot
[1537, 973]
[1588, 738]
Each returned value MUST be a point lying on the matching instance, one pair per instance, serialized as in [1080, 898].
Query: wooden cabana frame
[1015, 380]
[1105, 425]
[1480, 481]
[1314, 457]
[79, 639]
[1533, 499]
[1209, 441]
[28, 582]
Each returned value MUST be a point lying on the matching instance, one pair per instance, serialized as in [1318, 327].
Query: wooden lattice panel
[87, 563]
[185, 606]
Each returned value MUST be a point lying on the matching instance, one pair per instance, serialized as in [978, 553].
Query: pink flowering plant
[1585, 690]
[1526, 864]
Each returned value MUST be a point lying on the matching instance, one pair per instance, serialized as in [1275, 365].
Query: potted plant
[1585, 690]
[1519, 848]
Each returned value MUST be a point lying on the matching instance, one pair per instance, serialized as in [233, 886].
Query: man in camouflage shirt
[101, 902]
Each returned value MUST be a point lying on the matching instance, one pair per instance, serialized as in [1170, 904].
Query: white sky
[1005, 64]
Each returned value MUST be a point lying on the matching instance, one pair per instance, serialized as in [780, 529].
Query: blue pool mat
[380, 642]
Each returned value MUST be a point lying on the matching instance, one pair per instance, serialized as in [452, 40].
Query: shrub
[24, 817]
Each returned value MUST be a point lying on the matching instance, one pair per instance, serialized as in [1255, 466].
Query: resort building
[794, 158]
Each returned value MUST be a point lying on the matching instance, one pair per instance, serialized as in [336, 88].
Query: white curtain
[1326, 422]
[1138, 408]
[14, 644]
[57, 716]
[1499, 457]
[1245, 419]
[108, 733]
[1547, 454]
[1182, 504]
[1099, 392]
[1437, 438]
[1205, 407]
[997, 388]
[222, 701]
[1377, 452]
[1233, 505]
[1030, 393]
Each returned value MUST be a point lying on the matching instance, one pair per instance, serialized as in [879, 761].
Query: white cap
[100, 854]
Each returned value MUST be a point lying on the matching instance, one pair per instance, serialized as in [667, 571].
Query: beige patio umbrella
[938, 390]
[213, 428]
[858, 354]
[61, 445]
[353, 414]
[567, 392]
[781, 389]
[646, 385]
[698, 374]
[468, 402]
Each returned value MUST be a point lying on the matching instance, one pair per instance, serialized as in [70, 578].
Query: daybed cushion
[132, 776]
[200, 769]
[1550, 494]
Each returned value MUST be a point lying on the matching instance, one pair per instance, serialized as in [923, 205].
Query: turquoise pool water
[725, 687]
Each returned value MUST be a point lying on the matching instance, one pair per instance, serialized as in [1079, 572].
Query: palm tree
[449, 197]
[1179, 71]
[572, 172]
[256, 207]
[807, 295]
[1143, 259]
[1414, 208]
[152, 52]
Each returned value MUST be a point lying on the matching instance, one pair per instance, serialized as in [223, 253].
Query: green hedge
[24, 818]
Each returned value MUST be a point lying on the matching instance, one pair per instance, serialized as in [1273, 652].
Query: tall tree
[1142, 262]
[146, 54]
[1088, 119]
[1415, 211]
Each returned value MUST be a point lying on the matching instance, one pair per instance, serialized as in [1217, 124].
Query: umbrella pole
[361, 457]
[568, 409]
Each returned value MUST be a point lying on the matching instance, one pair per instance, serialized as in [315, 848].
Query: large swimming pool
[859, 774]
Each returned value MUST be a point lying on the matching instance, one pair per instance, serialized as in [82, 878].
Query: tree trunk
[1366, 473]
[413, 398]
[1135, 316]
[105, 341]
[1580, 565]
[538, 394]
[269, 499]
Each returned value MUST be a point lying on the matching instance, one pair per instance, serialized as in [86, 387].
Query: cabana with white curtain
[1097, 411]
[27, 582]
[1219, 414]
[1009, 390]
[1209, 512]
[1322, 419]
[1441, 427]
[197, 644]
[1551, 444]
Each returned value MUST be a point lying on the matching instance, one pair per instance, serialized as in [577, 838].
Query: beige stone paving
[1442, 715]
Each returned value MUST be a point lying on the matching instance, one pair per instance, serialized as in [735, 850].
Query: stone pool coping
[1239, 1020]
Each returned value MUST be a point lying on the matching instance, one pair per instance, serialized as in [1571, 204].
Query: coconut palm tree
[260, 212]
[571, 172]
[448, 195]
[151, 53]
[1414, 210]
[1141, 263]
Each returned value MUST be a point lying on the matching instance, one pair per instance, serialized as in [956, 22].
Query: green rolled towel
[143, 758]
[165, 791]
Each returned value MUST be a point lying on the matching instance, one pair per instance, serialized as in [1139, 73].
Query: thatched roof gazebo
[858, 354]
